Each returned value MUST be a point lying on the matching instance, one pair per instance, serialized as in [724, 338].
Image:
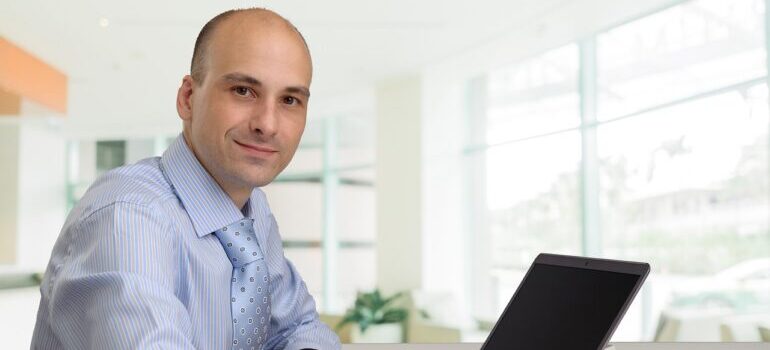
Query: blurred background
[446, 146]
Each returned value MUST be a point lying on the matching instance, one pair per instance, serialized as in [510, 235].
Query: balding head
[269, 19]
[244, 106]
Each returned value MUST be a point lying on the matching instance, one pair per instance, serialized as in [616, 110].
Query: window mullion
[330, 181]
[591, 240]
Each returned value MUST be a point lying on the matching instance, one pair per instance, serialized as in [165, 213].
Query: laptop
[567, 303]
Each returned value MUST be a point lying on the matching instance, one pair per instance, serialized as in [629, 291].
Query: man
[182, 251]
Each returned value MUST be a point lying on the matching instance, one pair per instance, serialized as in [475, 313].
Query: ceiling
[130, 68]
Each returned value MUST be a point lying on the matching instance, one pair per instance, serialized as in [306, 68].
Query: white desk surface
[618, 346]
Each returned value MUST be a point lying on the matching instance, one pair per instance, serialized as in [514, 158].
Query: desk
[618, 346]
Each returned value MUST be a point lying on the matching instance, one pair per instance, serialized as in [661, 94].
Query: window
[533, 97]
[530, 159]
[675, 152]
[692, 48]
[688, 183]
[533, 205]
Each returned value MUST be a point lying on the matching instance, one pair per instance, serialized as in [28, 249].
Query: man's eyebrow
[247, 79]
[242, 78]
[299, 90]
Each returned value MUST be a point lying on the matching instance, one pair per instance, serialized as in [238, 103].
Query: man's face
[247, 116]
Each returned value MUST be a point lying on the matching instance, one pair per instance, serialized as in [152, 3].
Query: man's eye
[290, 100]
[241, 90]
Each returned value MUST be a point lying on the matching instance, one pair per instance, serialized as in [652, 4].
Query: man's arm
[295, 323]
[115, 289]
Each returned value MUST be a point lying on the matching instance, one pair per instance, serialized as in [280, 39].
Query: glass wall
[649, 142]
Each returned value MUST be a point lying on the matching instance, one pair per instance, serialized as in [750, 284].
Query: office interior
[447, 144]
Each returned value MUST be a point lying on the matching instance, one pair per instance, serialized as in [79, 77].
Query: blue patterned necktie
[250, 292]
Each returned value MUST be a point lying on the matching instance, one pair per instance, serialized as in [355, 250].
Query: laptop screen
[563, 307]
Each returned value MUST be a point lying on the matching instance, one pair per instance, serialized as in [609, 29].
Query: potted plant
[374, 319]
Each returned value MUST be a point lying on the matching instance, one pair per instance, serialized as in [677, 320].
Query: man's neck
[240, 196]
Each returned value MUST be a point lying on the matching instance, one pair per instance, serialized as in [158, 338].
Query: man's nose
[264, 120]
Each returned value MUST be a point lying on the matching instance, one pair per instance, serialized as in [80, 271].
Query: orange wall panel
[10, 103]
[24, 74]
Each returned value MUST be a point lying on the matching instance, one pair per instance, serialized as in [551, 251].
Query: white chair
[668, 328]
[726, 333]
[742, 328]
[764, 334]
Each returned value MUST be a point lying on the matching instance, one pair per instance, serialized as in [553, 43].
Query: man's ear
[184, 98]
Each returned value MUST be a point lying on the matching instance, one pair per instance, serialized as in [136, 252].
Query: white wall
[9, 178]
[17, 321]
[446, 255]
[41, 191]
[398, 181]
[32, 183]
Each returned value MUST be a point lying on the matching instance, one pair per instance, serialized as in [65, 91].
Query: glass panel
[309, 156]
[297, 209]
[356, 272]
[309, 263]
[533, 97]
[81, 164]
[355, 210]
[110, 155]
[355, 142]
[691, 48]
[533, 205]
[363, 176]
[686, 189]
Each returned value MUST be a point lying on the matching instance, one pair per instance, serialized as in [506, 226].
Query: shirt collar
[206, 203]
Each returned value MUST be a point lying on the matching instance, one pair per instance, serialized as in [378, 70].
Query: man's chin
[260, 181]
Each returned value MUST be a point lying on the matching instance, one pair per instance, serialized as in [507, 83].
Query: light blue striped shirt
[136, 266]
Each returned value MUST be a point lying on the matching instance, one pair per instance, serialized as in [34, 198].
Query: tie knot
[240, 242]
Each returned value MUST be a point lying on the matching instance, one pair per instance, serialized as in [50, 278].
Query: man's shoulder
[141, 183]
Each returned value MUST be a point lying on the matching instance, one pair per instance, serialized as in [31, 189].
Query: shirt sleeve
[295, 322]
[116, 287]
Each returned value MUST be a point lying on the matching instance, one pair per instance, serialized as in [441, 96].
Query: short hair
[200, 52]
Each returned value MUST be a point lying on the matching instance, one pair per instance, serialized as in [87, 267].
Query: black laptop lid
[567, 302]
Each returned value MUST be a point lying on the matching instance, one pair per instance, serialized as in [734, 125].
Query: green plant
[372, 308]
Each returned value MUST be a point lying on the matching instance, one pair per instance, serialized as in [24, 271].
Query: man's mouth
[257, 150]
